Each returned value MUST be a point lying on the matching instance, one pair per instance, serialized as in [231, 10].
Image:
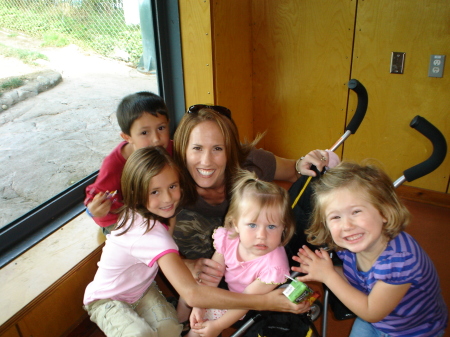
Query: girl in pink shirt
[258, 223]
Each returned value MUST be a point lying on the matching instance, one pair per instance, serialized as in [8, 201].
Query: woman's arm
[214, 328]
[372, 308]
[208, 297]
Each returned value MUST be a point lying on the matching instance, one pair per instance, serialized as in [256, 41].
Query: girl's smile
[354, 223]
[164, 193]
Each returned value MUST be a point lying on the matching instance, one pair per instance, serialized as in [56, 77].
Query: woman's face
[206, 157]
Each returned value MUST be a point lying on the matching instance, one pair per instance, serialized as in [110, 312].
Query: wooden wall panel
[302, 55]
[11, 332]
[233, 61]
[61, 307]
[301, 62]
[195, 21]
[418, 28]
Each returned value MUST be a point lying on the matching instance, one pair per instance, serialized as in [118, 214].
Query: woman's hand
[277, 301]
[317, 265]
[206, 271]
[318, 158]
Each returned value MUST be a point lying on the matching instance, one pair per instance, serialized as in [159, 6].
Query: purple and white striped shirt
[422, 311]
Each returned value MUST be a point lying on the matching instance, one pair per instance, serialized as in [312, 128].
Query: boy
[144, 121]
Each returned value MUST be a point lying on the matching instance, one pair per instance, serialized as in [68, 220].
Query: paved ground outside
[59, 136]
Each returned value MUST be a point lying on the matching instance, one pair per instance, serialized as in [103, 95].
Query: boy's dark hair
[133, 106]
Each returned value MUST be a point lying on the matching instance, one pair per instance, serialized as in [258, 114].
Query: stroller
[269, 324]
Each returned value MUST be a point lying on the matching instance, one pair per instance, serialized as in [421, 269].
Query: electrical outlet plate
[436, 67]
[397, 62]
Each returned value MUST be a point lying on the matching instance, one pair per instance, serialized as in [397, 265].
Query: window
[95, 131]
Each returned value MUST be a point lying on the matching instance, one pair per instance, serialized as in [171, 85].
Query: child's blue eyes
[253, 225]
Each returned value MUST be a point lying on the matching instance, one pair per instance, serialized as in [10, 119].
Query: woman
[208, 149]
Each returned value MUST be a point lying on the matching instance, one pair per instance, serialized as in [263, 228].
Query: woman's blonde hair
[368, 180]
[140, 168]
[236, 152]
[263, 195]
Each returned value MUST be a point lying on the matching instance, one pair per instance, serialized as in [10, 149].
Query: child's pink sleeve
[220, 236]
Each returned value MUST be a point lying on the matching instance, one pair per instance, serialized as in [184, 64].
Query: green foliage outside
[26, 56]
[52, 39]
[90, 24]
[11, 84]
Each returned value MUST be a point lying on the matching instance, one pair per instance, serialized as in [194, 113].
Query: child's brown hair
[369, 181]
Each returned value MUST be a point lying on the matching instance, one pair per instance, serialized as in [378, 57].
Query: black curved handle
[439, 149]
[361, 108]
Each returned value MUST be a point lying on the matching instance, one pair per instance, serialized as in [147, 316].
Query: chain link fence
[109, 27]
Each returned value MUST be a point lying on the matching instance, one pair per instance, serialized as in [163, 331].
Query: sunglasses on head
[217, 108]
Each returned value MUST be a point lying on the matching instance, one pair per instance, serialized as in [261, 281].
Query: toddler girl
[123, 299]
[388, 280]
[258, 224]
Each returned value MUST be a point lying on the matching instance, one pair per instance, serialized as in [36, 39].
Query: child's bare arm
[372, 308]
[217, 257]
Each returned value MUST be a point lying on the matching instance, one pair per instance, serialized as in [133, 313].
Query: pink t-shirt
[128, 264]
[270, 268]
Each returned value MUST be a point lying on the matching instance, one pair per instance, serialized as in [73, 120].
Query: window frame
[23, 233]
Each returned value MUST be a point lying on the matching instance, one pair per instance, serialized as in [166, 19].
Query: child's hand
[197, 316]
[207, 329]
[100, 205]
[317, 265]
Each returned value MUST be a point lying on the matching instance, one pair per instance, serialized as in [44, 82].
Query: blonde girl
[258, 224]
[387, 280]
[123, 299]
